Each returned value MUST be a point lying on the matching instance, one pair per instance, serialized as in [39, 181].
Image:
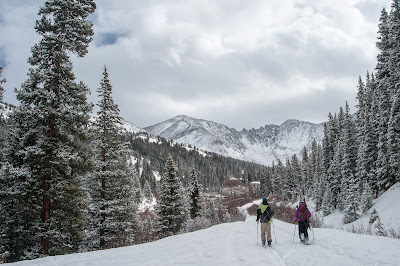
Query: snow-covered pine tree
[137, 192]
[47, 154]
[298, 182]
[348, 165]
[171, 210]
[335, 175]
[383, 92]
[327, 202]
[351, 211]
[367, 134]
[1, 84]
[288, 183]
[318, 187]
[308, 167]
[394, 143]
[112, 188]
[266, 181]
[147, 175]
[194, 192]
[147, 191]
[1, 108]
[278, 177]
[366, 198]
[263, 186]
[394, 62]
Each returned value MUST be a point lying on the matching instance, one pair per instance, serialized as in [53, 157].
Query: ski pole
[311, 229]
[257, 233]
[273, 226]
[294, 232]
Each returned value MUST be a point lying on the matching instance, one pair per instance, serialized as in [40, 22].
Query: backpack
[303, 211]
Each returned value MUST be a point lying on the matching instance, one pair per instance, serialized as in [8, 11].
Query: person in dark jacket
[302, 216]
[264, 214]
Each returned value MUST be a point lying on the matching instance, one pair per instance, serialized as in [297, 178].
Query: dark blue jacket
[264, 213]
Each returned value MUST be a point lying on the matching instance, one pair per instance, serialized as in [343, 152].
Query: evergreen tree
[194, 191]
[147, 175]
[298, 183]
[171, 209]
[137, 192]
[394, 89]
[112, 191]
[348, 165]
[366, 198]
[2, 120]
[1, 86]
[394, 143]
[147, 191]
[46, 154]
[352, 202]
[288, 184]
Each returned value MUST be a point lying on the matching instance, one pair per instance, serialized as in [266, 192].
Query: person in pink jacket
[303, 215]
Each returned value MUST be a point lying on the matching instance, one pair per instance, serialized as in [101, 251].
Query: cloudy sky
[241, 63]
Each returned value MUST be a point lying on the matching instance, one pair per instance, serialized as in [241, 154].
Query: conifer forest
[72, 181]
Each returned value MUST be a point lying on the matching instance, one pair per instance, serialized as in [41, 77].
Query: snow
[130, 127]
[238, 244]
[157, 175]
[387, 205]
[261, 146]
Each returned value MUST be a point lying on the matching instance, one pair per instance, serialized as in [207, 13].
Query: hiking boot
[263, 243]
[269, 243]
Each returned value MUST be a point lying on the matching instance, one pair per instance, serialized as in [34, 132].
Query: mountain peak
[261, 145]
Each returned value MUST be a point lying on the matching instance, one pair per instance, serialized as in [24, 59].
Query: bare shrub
[394, 233]
[360, 229]
[198, 223]
[282, 212]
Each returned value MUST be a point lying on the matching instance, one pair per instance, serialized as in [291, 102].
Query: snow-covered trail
[236, 244]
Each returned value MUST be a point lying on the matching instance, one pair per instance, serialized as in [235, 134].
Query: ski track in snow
[238, 244]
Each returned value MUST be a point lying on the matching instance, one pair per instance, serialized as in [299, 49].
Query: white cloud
[218, 60]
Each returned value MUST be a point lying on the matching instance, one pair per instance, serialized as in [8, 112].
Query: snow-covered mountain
[261, 145]
[130, 127]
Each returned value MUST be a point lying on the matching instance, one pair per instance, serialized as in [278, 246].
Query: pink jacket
[302, 213]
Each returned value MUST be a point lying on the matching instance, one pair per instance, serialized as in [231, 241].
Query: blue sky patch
[108, 38]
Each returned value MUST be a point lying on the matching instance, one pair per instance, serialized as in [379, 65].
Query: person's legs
[268, 225]
[302, 230]
[263, 231]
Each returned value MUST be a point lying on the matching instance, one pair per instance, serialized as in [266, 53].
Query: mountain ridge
[263, 145]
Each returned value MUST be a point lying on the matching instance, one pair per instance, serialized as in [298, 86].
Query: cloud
[243, 64]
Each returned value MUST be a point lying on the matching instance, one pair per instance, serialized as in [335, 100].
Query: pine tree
[1, 86]
[194, 192]
[112, 190]
[298, 183]
[147, 191]
[352, 202]
[137, 192]
[366, 198]
[46, 154]
[171, 210]
[394, 89]
[394, 143]
[348, 166]
[2, 120]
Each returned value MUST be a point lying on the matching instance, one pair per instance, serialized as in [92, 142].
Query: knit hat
[264, 199]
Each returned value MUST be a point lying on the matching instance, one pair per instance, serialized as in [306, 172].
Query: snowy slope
[387, 205]
[236, 244]
[130, 127]
[261, 145]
